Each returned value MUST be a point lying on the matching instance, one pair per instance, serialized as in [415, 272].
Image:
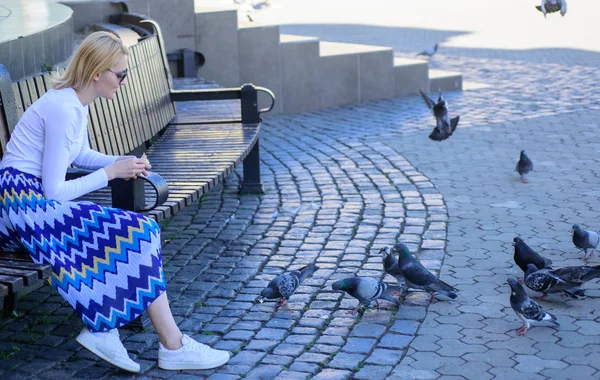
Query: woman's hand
[127, 167]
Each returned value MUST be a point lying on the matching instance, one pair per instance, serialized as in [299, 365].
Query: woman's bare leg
[164, 323]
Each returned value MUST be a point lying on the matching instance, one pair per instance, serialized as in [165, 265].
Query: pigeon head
[575, 228]
[517, 240]
[345, 284]
[531, 268]
[269, 292]
[403, 251]
[514, 283]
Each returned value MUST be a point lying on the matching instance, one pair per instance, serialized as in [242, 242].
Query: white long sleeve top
[50, 136]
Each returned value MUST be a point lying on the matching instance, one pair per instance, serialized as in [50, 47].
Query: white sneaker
[192, 355]
[109, 347]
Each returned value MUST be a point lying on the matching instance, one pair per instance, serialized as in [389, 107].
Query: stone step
[410, 76]
[352, 73]
[299, 57]
[217, 40]
[259, 61]
[445, 80]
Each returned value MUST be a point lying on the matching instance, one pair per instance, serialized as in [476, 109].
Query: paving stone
[359, 345]
[346, 361]
[367, 330]
[332, 374]
[373, 372]
[263, 371]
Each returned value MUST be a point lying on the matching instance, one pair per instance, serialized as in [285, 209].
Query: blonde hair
[98, 52]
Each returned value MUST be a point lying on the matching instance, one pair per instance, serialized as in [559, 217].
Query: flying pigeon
[366, 290]
[444, 127]
[526, 308]
[417, 277]
[524, 166]
[525, 255]
[430, 51]
[548, 282]
[551, 6]
[284, 285]
[584, 240]
[390, 266]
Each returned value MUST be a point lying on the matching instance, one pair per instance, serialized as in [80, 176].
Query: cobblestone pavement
[341, 183]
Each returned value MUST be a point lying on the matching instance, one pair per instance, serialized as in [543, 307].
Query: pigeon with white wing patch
[527, 309]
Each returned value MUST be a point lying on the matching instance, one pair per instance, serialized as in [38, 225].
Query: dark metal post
[252, 183]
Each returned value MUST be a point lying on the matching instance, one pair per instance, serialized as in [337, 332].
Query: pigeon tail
[576, 293]
[387, 294]
[550, 318]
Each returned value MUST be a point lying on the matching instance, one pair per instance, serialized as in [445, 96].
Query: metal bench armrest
[156, 181]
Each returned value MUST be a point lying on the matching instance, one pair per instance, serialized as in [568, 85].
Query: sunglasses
[120, 75]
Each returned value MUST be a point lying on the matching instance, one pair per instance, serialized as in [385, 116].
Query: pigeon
[366, 290]
[444, 128]
[585, 239]
[551, 6]
[284, 285]
[429, 52]
[417, 277]
[390, 266]
[525, 255]
[524, 166]
[547, 281]
[578, 275]
[526, 308]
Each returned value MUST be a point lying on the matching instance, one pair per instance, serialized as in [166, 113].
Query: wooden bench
[193, 148]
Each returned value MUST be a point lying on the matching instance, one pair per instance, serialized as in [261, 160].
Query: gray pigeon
[524, 166]
[548, 282]
[527, 309]
[417, 277]
[585, 240]
[284, 285]
[390, 266]
[524, 255]
[551, 6]
[366, 290]
[444, 127]
[430, 51]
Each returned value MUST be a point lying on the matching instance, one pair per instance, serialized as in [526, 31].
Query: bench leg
[128, 194]
[252, 183]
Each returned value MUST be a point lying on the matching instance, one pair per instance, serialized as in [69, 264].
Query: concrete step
[352, 73]
[445, 80]
[410, 76]
[299, 58]
[217, 39]
[259, 61]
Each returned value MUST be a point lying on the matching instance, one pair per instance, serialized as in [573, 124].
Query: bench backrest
[141, 109]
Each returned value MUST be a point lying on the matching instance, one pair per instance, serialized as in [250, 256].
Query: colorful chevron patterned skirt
[106, 262]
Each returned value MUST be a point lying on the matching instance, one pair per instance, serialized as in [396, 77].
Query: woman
[106, 262]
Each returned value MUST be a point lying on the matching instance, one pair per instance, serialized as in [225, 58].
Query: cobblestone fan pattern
[342, 183]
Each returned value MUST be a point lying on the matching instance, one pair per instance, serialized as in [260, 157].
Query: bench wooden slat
[43, 271]
[18, 103]
[14, 283]
[29, 276]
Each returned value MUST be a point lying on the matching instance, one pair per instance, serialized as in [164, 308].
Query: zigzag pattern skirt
[106, 262]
